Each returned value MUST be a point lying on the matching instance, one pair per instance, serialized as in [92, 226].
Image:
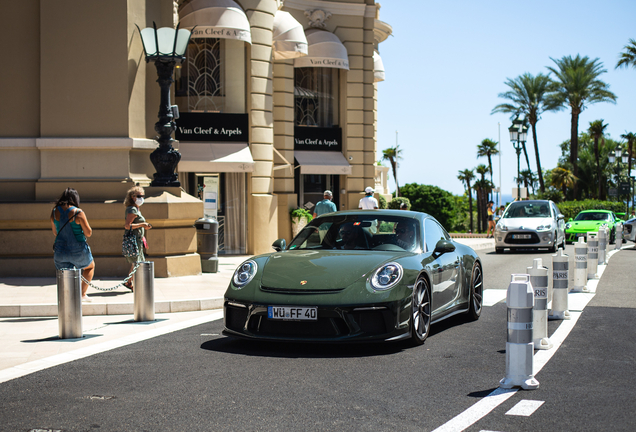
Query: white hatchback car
[530, 224]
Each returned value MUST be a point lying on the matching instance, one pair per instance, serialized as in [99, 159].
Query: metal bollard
[519, 346]
[560, 279]
[69, 303]
[619, 236]
[592, 255]
[144, 295]
[580, 266]
[539, 280]
[602, 244]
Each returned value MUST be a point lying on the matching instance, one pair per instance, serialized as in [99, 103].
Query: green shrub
[571, 208]
[382, 202]
[397, 202]
[301, 213]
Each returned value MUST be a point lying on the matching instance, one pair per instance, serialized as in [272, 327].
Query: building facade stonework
[277, 102]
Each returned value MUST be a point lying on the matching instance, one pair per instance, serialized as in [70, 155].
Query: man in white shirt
[368, 202]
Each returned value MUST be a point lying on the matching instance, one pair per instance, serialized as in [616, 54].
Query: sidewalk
[37, 297]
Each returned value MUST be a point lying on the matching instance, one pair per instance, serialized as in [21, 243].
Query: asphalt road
[198, 380]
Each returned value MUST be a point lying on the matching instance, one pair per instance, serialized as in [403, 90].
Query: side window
[433, 233]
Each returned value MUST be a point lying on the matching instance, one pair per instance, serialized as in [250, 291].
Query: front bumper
[524, 239]
[572, 236]
[360, 323]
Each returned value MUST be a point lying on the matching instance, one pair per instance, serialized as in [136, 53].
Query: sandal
[129, 285]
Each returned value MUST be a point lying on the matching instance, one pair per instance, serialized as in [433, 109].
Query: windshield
[527, 210]
[593, 216]
[360, 232]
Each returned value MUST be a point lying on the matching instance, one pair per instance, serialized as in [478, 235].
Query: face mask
[139, 201]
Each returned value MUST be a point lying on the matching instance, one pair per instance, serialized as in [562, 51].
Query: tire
[476, 294]
[499, 250]
[555, 248]
[612, 237]
[420, 312]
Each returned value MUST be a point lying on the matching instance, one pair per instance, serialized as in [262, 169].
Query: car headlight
[501, 227]
[244, 273]
[387, 276]
[544, 227]
[568, 225]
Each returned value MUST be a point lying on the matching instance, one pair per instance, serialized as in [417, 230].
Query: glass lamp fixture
[523, 133]
[611, 158]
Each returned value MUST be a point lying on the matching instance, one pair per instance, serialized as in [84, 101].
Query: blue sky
[447, 61]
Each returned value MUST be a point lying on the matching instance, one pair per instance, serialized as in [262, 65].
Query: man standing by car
[368, 202]
[325, 206]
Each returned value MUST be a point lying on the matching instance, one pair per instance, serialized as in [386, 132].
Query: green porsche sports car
[590, 221]
[367, 275]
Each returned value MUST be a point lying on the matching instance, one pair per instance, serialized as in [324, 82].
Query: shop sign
[316, 138]
[212, 127]
[221, 33]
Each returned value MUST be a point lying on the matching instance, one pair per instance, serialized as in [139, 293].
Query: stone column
[262, 205]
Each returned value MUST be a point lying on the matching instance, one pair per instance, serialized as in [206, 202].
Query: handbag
[129, 246]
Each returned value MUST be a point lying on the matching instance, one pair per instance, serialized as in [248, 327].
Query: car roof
[596, 211]
[383, 212]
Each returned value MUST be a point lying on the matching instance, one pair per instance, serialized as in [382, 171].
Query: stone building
[277, 102]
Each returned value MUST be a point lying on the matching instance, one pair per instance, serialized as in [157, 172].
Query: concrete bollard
[144, 295]
[560, 280]
[69, 303]
[519, 346]
[592, 255]
[619, 236]
[539, 280]
[602, 244]
[580, 265]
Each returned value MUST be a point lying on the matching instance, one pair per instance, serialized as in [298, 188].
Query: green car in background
[589, 221]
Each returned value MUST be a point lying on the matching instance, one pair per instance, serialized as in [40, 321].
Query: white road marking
[37, 365]
[494, 296]
[525, 408]
[482, 408]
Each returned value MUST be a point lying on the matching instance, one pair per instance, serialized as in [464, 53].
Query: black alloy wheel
[476, 298]
[421, 311]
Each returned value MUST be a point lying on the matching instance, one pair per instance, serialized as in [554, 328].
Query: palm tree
[628, 56]
[467, 176]
[527, 95]
[563, 178]
[631, 139]
[393, 155]
[527, 178]
[578, 86]
[483, 187]
[597, 130]
[488, 148]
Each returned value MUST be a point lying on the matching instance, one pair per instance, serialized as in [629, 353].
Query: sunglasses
[140, 196]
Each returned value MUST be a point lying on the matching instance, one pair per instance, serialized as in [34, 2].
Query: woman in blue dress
[71, 228]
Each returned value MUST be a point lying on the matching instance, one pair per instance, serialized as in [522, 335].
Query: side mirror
[560, 217]
[279, 245]
[444, 246]
[570, 220]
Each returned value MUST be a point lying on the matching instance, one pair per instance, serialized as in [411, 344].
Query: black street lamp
[619, 157]
[518, 136]
[165, 46]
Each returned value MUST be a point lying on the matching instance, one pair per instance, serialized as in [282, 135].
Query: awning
[215, 157]
[322, 162]
[325, 50]
[289, 39]
[223, 19]
[378, 67]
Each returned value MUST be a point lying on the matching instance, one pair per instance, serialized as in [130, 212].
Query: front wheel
[476, 294]
[420, 312]
[612, 238]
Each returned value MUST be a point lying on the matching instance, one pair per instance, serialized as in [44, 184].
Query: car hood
[588, 225]
[307, 270]
[526, 223]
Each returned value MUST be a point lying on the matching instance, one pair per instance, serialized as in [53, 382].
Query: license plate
[521, 236]
[294, 313]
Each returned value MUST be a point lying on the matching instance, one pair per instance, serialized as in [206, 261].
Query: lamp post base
[165, 160]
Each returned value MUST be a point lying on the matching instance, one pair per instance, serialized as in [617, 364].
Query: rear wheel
[476, 295]
[420, 311]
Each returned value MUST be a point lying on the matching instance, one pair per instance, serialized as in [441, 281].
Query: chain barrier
[116, 286]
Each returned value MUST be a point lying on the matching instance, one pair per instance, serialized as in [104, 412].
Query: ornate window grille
[316, 96]
[204, 74]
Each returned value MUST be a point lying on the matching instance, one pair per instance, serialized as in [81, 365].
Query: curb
[50, 310]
